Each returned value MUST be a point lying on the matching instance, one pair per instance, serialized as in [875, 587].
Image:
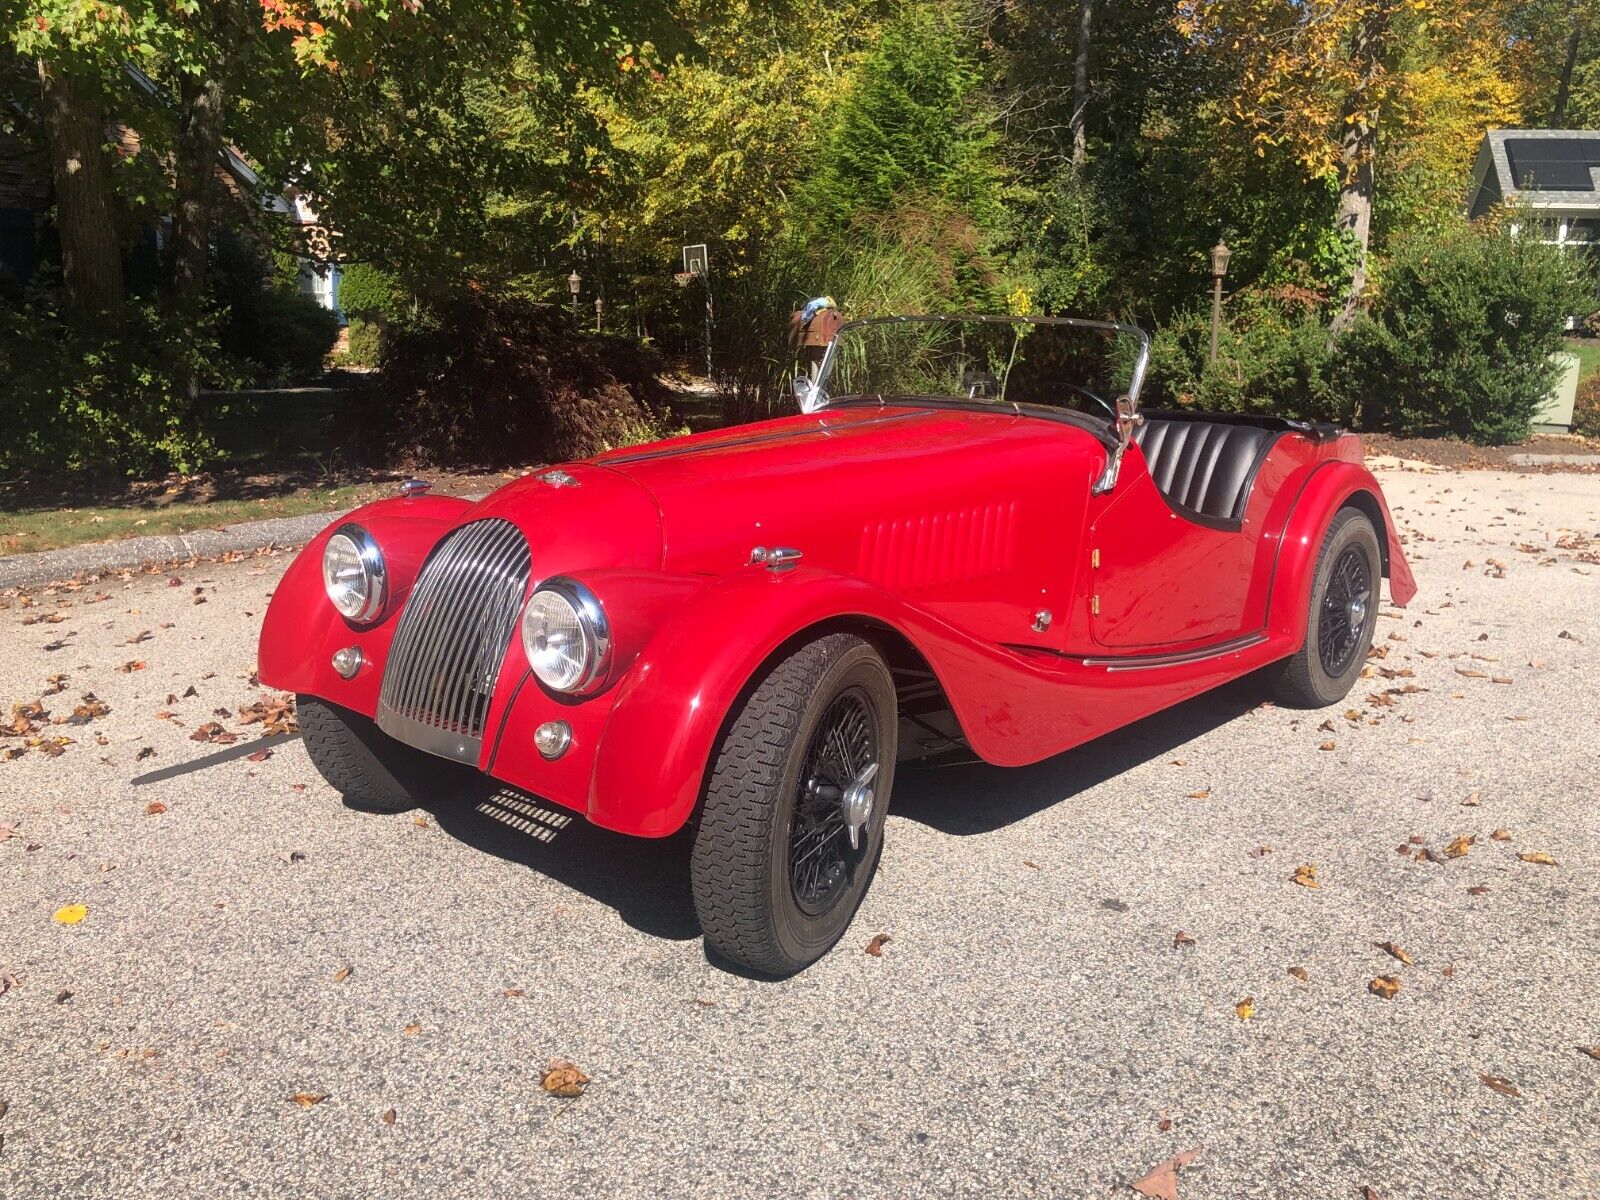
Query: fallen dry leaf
[1306, 875]
[1200, 795]
[70, 914]
[132, 665]
[1478, 889]
[1538, 856]
[1385, 986]
[154, 809]
[1300, 973]
[1162, 1182]
[388, 1117]
[1499, 1083]
[258, 756]
[412, 1029]
[341, 974]
[876, 945]
[564, 1079]
[213, 733]
[308, 1099]
[1459, 847]
[512, 993]
[1501, 835]
[1327, 746]
[1394, 951]
[1246, 1008]
[1592, 1051]
[1181, 939]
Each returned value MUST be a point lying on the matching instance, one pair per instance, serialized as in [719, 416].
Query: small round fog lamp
[552, 738]
[347, 661]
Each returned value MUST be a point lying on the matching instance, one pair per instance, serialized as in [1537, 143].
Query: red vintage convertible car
[969, 536]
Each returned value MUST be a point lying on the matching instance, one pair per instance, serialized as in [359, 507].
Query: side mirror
[807, 395]
[1128, 419]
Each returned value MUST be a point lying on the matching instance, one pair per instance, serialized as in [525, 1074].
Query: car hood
[821, 483]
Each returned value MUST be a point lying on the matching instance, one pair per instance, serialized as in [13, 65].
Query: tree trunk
[1558, 114]
[1080, 84]
[91, 258]
[1358, 147]
[199, 147]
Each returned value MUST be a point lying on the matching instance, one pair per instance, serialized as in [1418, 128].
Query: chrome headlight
[566, 636]
[353, 574]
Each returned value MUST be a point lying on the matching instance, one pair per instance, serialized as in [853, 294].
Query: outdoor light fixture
[1220, 254]
[574, 283]
[599, 309]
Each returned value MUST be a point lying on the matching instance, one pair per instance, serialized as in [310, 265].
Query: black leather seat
[1204, 467]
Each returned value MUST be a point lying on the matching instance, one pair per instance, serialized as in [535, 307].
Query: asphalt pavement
[1030, 1028]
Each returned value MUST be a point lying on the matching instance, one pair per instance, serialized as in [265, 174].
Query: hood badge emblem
[415, 487]
[556, 478]
[777, 560]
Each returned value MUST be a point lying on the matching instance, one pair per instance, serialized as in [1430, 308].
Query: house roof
[1550, 170]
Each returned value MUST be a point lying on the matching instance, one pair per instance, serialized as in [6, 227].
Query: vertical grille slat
[447, 651]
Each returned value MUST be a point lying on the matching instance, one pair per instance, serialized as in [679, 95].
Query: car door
[1159, 578]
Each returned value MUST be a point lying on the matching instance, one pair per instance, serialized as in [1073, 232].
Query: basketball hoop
[683, 277]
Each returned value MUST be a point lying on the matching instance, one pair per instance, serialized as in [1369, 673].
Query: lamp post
[1219, 267]
[599, 308]
[574, 282]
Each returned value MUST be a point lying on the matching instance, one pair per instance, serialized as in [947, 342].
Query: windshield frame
[818, 399]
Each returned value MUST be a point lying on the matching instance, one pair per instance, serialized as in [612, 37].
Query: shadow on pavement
[646, 880]
[968, 797]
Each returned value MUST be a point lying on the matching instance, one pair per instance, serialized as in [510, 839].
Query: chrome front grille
[452, 638]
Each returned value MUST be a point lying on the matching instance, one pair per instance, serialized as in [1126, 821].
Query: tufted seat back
[1203, 466]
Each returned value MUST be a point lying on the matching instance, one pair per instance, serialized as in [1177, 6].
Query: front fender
[302, 629]
[1331, 486]
[1014, 705]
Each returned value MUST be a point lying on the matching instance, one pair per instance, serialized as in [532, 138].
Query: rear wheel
[1344, 612]
[371, 769]
[793, 818]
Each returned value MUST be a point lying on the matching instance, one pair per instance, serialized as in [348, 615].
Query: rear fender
[1334, 485]
[302, 629]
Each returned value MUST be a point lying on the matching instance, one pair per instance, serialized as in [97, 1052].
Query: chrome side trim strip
[1151, 661]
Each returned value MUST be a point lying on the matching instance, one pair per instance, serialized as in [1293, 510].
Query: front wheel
[793, 818]
[1344, 612]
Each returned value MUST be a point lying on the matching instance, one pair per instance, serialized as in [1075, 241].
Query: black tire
[769, 784]
[1326, 667]
[372, 770]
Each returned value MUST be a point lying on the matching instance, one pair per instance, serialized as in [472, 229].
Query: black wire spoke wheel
[1345, 605]
[822, 863]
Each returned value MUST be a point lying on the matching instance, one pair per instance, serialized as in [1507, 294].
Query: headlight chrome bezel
[374, 572]
[593, 625]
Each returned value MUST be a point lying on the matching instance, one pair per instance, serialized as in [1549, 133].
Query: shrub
[1270, 360]
[366, 291]
[278, 335]
[363, 344]
[1586, 408]
[111, 397]
[1459, 339]
[496, 380]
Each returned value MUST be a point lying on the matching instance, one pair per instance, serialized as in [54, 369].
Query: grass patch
[51, 528]
[1588, 352]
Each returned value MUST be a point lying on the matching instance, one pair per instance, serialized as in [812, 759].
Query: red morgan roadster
[969, 536]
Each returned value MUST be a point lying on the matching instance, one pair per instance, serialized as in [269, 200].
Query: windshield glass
[1039, 362]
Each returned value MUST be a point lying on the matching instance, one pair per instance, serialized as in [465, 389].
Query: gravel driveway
[1030, 1028]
